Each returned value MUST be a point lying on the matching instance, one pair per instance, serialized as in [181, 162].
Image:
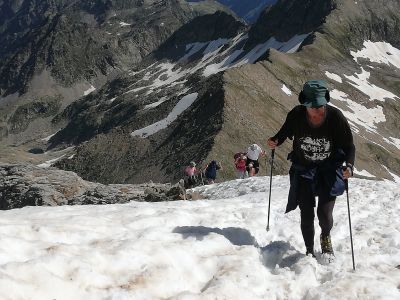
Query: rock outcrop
[28, 185]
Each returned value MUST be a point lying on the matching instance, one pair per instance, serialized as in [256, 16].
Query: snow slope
[207, 249]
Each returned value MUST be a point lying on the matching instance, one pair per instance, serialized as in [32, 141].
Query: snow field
[207, 249]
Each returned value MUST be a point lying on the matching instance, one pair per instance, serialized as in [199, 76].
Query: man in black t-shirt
[322, 142]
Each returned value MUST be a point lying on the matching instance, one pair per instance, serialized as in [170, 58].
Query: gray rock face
[288, 18]
[63, 49]
[80, 40]
[28, 185]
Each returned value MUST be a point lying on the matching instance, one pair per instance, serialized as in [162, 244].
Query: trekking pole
[346, 182]
[270, 185]
[201, 176]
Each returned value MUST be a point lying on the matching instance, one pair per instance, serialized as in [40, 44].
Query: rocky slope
[28, 185]
[216, 86]
[240, 105]
[54, 52]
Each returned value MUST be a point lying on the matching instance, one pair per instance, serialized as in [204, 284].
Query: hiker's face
[315, 112]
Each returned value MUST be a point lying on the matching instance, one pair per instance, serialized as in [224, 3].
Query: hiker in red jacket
[240, 165]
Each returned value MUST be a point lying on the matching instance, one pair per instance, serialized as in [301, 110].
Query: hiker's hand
[347, 172]
[272, 144]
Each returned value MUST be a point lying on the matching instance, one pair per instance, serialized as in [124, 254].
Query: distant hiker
[322, 142]
[210, 171]
[253, 154]
[240, 165]
[190, 175]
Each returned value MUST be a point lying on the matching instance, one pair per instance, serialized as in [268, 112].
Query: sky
[214, 248]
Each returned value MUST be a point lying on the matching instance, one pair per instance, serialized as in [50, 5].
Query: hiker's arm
[345, 139]
[285, 132]
[346, 143]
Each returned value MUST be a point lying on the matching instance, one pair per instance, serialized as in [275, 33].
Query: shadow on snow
[237, 236]
[275, 253]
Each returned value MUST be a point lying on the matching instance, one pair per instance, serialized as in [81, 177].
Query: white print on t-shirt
[315, 149]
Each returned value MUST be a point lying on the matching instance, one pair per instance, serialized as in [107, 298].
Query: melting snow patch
[393, 141]
[286, 90]
[212, 51]
[290, 46]
[379, 52]
[136, 90]
[333, 76]
[46, 139]
[359, 114]
[123, 24]
[339, 95]
[89, 90]
[360, 82]
[395, 177]
[180, 107]
[222, 66]
[192, 49]
[155, 104]
[48, 163]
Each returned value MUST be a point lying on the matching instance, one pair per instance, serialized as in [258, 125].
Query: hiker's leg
[325, 214]
[256, 166]
[251, 168]
[306, 200]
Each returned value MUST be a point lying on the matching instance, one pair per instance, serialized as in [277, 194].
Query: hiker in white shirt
[254, 152]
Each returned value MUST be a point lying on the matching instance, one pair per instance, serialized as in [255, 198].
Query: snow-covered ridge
[214, 56]
[207, 249]
[228, 52]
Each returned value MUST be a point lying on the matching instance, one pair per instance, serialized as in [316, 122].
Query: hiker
[322, 142]
[254, 152]
[210, 171]
[240, 165]
[190, 175]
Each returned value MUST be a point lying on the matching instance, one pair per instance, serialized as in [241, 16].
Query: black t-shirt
[316, 144]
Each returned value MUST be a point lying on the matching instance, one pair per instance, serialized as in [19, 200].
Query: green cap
[314, 92]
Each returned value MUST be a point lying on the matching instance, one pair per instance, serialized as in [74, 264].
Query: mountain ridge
[240, 88]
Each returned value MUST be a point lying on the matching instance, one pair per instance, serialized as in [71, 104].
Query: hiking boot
[326, 244]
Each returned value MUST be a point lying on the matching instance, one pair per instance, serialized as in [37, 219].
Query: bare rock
[29, 185]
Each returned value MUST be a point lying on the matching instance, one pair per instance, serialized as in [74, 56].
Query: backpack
[240, 165]
[211, 171]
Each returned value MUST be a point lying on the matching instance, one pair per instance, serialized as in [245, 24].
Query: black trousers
[306, 201]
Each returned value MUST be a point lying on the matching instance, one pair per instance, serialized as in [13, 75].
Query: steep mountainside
[216, 86]
[54, 52]
[355, 49]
